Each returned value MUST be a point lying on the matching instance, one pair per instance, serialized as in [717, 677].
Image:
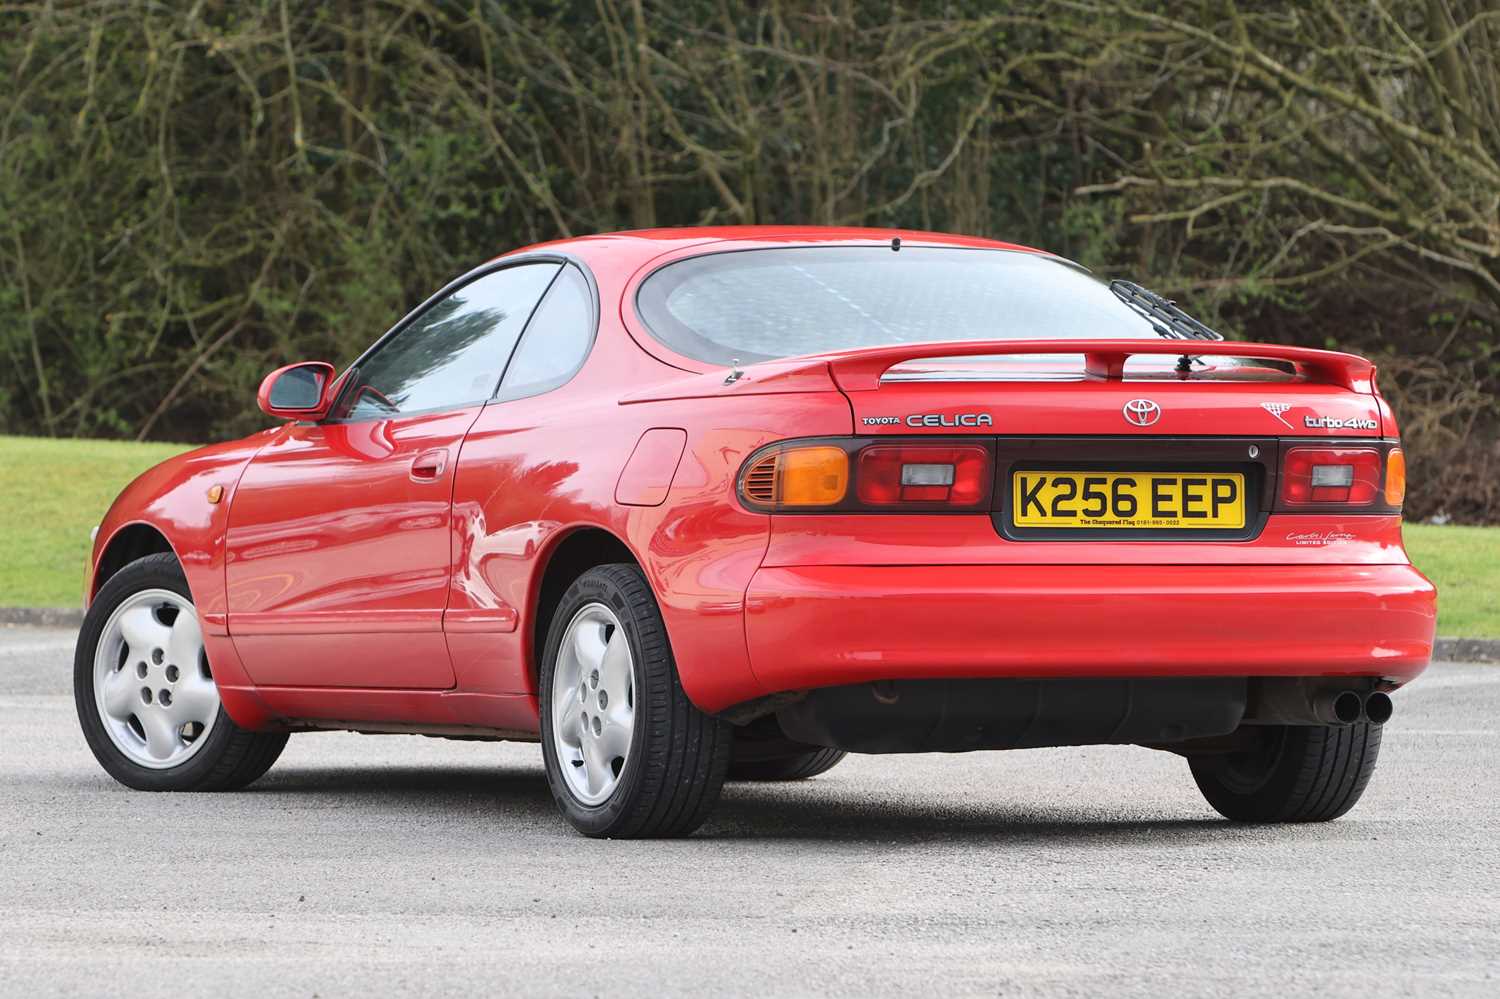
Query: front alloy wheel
[152, 686]
[145, 691]
[627, 754]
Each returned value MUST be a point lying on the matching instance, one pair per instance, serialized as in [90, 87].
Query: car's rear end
[1061, 521]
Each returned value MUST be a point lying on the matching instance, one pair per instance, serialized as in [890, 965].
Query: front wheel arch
[129, 543]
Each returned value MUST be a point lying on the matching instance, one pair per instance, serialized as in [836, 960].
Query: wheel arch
[576, 552]
[130, 542]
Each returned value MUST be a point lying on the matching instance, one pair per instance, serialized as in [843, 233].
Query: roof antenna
[895, 244]
[735, 374]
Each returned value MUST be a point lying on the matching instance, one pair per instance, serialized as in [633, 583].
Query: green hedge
[191, 194]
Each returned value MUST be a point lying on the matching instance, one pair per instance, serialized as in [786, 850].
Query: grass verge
[1464, 562]
[52, 493]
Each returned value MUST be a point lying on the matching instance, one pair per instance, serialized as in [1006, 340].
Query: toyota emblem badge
[1142, 412]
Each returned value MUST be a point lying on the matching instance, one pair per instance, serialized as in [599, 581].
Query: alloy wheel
[593, 703]
[152, 686]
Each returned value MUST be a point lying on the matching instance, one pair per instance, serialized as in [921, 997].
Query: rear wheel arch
[131, 542]
[577, 552]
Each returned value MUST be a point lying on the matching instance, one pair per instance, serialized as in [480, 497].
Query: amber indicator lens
[814, 476]
[809, 477]
[1395, 477]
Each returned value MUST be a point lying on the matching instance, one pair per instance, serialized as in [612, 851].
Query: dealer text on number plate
[1128, 499]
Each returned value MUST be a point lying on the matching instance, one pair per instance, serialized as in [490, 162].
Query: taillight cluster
[839, 474]
[1316, 477]
[858, 475]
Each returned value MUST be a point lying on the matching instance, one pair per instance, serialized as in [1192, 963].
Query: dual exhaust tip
[1345, 707]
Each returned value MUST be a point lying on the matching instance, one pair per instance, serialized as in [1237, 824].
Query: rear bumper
[817, 626]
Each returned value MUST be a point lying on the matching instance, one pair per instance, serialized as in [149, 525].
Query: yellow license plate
[1128, 499]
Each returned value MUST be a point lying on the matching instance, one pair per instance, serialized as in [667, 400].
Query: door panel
[338, 553]
[519, 475]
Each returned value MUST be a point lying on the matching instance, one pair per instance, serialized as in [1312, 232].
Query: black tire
[230, 758]
[762, 753]
[674, 771]
[1297, 773]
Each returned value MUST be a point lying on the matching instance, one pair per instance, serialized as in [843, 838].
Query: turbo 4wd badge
[932, 420]
[1334, 423]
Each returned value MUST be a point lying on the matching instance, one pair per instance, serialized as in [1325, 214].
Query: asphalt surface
[402, 865]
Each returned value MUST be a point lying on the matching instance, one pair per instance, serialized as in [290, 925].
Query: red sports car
[696, 504]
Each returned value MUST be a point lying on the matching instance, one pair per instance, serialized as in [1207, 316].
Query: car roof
[653, 241]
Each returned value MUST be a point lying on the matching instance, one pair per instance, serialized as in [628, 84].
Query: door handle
[428, 466]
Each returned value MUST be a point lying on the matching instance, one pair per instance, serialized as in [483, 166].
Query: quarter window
[453, 353]
[557, 340]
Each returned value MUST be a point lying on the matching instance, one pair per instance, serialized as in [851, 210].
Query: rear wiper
[1163, 314]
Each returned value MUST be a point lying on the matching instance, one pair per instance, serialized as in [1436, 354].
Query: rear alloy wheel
[145, 692]
[1296, 773]
[627, 754]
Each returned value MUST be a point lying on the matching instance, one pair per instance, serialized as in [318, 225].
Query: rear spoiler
[861, 370]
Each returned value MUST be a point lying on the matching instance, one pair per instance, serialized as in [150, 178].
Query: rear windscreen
[754, 305]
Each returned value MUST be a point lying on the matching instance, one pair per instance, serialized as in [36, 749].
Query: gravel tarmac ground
[386, 865]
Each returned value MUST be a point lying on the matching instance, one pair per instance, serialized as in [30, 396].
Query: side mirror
[297, 391]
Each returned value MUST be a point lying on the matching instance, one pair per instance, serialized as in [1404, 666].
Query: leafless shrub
[1448, 423]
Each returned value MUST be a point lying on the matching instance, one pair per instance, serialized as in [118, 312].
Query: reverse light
[890, 475]
[1315, 477]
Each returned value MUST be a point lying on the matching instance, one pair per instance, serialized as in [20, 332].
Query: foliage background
[194, 192]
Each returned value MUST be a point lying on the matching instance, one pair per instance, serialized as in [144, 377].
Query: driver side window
[452, 354]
